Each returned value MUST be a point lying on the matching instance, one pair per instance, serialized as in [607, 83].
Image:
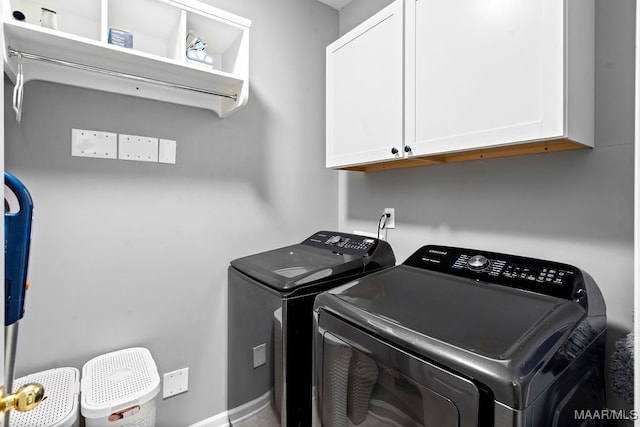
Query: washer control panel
[345, 243]
[545, 277]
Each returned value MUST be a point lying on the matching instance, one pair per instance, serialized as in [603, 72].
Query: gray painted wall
[574, 207]
[357, 10]
[134, 254]
[126, 253]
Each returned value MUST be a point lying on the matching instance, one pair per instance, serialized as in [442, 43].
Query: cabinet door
[487, 73]
[365, 91]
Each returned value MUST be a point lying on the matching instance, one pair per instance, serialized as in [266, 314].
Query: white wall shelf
[159, 29]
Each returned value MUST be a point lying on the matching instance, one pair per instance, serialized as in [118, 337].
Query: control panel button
[478, 262]
[461, 262]
[343, 243]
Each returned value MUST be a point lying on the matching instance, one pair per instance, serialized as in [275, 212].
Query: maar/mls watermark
[606, 414]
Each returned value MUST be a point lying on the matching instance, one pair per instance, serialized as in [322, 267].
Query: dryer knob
[334, 239]
[477, 262]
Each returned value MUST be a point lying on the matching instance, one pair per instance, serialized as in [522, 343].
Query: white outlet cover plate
[391, 222]
[167, 151]
[259, 355]
[93, 143]
[175, 382]
[138, 148]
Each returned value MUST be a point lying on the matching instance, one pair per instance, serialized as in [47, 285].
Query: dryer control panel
[345, 243]
[545, 277]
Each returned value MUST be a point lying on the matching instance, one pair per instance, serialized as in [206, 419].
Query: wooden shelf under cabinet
[487, 153]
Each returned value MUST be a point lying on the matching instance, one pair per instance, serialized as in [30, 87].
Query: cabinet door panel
[365, 91]
[486, 72]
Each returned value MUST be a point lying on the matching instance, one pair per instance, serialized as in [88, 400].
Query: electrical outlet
[175, 382]
[391, 221]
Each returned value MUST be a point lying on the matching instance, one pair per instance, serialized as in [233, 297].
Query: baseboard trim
[249, 409]
[218, 420]
[238, 414]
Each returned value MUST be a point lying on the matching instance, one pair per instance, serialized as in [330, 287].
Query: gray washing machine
[459, 337]
[270, 322]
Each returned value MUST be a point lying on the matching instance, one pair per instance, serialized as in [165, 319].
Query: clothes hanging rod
[26, 55]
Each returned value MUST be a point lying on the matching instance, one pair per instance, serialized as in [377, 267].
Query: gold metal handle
[24, 399]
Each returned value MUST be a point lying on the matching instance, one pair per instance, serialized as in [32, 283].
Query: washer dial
[478, 262]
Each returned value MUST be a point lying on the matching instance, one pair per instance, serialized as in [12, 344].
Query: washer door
[364, 381]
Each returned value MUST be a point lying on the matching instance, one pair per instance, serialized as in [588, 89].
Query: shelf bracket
[18, 90]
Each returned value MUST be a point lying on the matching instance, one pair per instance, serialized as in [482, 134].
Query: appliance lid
[479, 317]
[322, 257]
[296, 265]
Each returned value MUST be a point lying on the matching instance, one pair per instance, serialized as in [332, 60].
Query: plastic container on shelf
[60, 406]
[118, 389]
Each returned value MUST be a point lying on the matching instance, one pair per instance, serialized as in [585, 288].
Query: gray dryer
[459, 337]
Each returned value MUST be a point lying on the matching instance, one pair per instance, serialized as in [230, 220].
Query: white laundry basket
[60, 406]
[119, 389]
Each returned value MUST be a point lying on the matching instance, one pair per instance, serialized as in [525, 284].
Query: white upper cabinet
[365, 92]
[480, 79]
[77, 51]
